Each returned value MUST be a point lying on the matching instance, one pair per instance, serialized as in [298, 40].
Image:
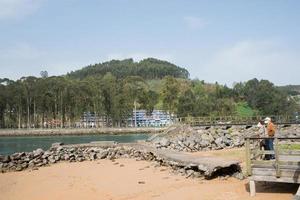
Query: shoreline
[127, 179]
[76, 131]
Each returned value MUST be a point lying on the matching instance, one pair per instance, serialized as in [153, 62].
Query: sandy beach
[125, 179]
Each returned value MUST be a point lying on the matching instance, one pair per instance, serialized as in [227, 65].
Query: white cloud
[195, 22]
[248, 59]
[139, 56]
[14, 9]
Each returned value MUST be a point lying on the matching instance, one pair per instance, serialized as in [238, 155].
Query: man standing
[270, 140]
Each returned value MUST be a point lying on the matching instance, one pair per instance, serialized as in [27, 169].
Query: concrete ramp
[209, 165]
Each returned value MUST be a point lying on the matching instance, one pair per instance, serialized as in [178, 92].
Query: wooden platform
[285, 168]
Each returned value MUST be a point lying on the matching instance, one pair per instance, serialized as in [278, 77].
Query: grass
[289, 146]
[244, 110]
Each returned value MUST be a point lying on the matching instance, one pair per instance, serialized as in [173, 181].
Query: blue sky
[225, 41]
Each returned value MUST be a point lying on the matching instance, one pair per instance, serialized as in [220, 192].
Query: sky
[216, 41]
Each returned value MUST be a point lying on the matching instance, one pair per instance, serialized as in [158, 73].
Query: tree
[169, 94]
[44, 74]
[186, 104]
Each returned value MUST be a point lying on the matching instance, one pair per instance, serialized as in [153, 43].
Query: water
[10, 145]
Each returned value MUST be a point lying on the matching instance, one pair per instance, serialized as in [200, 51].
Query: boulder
[164, 142]
[6, 159]
[57, 144]
[38, 152]
[66, 157]
[92, 156]
[102, 154]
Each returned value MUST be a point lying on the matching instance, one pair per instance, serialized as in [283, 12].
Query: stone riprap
[191, 139]
[78, 153]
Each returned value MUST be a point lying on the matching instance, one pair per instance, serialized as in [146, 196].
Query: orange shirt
[271, 129]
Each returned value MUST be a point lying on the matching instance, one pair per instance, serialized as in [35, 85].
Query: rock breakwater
[191, 139]
[60, 153]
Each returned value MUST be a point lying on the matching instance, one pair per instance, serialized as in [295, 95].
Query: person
[270, 135]
[262, 129]
[261, 133]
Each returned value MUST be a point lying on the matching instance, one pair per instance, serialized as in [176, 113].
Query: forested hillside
[113, 94]
[149, 68]
[291, 89]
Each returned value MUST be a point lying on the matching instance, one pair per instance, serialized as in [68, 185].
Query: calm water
[9, 145]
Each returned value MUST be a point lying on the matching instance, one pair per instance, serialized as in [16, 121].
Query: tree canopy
[149, 68]
[113, 94]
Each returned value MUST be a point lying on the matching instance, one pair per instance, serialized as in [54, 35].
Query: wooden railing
[286, 157]
[236, 120]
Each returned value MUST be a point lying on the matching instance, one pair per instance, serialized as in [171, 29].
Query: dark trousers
[269, 147]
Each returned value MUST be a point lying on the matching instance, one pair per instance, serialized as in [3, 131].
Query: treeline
[254, 97]
[291, 89]
[149, 68]
[31, 101]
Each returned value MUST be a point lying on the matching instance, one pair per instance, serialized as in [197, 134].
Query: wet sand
[126, 179]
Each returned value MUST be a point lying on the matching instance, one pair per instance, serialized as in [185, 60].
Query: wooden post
[252, 188]
[277, 158]
[248, 158]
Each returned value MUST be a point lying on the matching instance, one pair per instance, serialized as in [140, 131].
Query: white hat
[267, 120]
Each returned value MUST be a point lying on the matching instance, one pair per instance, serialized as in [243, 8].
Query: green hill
[149, 68]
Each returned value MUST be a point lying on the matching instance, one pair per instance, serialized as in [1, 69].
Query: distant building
[91, 120]
[157, 118]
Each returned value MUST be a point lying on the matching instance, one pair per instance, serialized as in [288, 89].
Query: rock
[6, 159]
[38, 152]
[51, 160]
[24, 165]
[56, 144]
[35, 168]
[39, 164]
[220, 143]
[180, 143]
[197, 175]
[92, 156]
[204, 143]
[46, 154]
[239, 175]
[17, 156]
[202, 168]
[79, 159]
[66, 157]
[19, 168]
[59, 148]
[31, 165]
[103, 154]
[164, 142]
[181, 170]
[56, 158]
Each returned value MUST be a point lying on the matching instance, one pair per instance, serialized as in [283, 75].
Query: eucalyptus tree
[169, 94]
[3, 101]
[29, 84]
[109, 92]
